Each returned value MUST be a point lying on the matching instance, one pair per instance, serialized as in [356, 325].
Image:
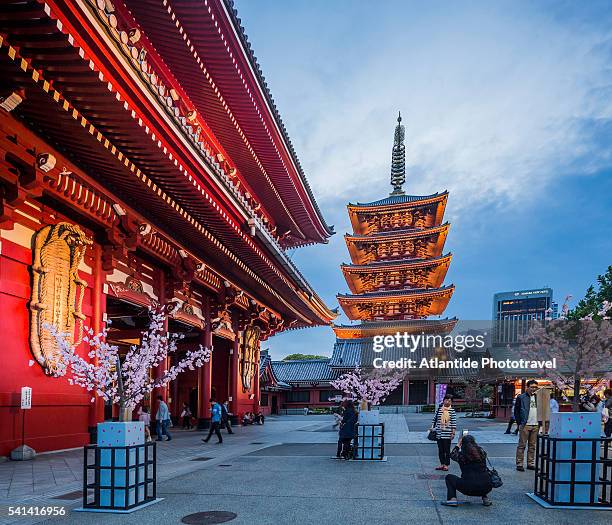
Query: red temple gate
[165, 158]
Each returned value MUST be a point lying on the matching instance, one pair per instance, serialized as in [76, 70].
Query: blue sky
[508, 105]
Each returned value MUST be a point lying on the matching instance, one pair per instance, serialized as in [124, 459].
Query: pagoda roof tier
[396, 304]
[419, 243]
[398, 211]
[410, 326]
[414, 273]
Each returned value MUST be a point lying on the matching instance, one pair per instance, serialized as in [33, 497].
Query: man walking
[215, 421]
[225, 417]
[163, 419]
[526, 415]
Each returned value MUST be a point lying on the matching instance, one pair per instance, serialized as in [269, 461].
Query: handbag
[432, 435]
[495, 478]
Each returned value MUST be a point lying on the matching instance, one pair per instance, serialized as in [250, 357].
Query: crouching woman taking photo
[475, 479]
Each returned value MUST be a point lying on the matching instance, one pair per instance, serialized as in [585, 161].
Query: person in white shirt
[526, 415]
[554, 405]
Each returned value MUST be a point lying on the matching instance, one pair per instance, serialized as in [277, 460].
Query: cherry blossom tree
[582, 348]
[372, 388]
[126, 381]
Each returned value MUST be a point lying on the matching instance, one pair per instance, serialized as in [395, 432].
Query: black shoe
[530, 468]
[230, 432]
[205, 440]
[158, 439]
[520, 469]
[515, 433]
[169, 439]
[507, 432]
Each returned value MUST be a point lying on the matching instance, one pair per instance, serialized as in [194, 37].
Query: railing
[119, 478]
[574, 472]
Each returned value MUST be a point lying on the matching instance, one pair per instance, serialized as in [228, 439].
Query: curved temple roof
[388, 295]
[372, 328]
[206, 49]
[394, 200]
[303, 371]
[424, 302]
[385, 266]
[412, 272]
[382, 237]
[89, 92]
[427, 209]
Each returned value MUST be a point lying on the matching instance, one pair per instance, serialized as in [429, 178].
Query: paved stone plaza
[297, 481]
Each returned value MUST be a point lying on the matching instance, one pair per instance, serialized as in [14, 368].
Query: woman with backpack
[445, 425]
[475, 479]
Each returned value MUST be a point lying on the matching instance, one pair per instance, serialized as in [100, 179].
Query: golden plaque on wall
[248, 356]
[57, 290]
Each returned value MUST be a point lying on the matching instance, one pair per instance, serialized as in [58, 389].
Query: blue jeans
[162, 429]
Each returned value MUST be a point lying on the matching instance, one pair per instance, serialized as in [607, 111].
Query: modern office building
[513, 312]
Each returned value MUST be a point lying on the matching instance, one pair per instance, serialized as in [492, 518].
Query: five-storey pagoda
[398, 267]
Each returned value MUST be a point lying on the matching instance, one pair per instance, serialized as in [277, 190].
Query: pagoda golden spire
[398, 159]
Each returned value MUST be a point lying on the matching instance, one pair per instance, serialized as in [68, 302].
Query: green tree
[297, 357]
[593, 300]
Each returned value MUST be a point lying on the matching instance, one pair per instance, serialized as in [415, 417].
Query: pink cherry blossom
[372, 388]
[582, 349]
[125, 381]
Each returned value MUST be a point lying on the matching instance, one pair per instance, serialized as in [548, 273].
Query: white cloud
[494, 100]
[501, 102]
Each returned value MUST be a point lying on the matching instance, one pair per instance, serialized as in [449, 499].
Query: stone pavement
[54, 474]
[282, 473]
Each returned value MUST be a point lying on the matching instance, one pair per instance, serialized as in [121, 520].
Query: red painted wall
[59, 415]
[314, 399]
[245, 404]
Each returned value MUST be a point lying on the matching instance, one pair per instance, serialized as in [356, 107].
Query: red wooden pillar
[256, 383]
[205, 371]
[160, 369]
[406, 391]
[234, 379]
[96, 409]
[432, 392]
